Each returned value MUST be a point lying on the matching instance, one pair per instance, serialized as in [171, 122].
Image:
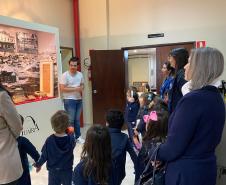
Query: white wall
[138, 70]
[93, 29]
[57, 13]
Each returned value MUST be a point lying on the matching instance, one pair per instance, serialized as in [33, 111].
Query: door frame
[125, 49]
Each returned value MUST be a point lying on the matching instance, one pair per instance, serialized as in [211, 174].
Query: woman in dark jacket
[196, 125]
[178, 58]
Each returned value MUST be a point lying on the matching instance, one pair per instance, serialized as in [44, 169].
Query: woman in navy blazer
[196, 125]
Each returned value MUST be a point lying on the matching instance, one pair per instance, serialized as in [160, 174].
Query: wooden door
[162, 53]
[108, 82]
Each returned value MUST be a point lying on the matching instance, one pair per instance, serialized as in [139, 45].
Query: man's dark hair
[74, 59]
[115, 119]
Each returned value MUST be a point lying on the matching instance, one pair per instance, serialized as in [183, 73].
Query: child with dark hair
[132, 108]
[120, 144]
[145, 100]
[95, 167]
[58, 151]
[147, 88]
[158, 104]
[26, 147]
[156, 131]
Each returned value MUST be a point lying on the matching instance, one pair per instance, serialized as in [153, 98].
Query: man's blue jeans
[74, 109]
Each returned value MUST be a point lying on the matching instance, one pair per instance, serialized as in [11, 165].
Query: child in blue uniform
[132, 108]
[145, 100]
[156, 131]
[95, 167]
[26, 147]
[58, 151]
[120, 144]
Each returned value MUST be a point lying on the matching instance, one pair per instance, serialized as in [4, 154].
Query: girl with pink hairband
[156, 131]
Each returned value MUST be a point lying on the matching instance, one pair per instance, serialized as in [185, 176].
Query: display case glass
[28, 64]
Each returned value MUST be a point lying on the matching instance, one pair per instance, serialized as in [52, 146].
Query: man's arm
[64, 88]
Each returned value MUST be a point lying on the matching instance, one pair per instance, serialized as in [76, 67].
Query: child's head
[96, 153]
[60, 121]
[158, 104]
[156, 125]
[132, 93]
[146, 98]
[147, 88]
[115, 119]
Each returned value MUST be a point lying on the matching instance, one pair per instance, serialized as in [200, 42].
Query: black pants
[11, 183]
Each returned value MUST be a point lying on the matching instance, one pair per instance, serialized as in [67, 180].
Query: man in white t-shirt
[71, 86]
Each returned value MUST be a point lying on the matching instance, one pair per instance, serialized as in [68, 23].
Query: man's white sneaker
[80, 140]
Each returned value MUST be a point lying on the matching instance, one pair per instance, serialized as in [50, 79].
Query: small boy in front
[120, 144]
[58, 151]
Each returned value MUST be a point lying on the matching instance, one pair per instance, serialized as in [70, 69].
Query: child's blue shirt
[58, 153]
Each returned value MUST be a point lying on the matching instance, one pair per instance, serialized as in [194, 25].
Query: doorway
[153, 57]
[142, 68]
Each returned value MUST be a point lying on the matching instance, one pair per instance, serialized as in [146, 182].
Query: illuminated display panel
[28, 64]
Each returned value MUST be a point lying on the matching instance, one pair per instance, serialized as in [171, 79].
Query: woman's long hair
[181, 56]
[96, 154]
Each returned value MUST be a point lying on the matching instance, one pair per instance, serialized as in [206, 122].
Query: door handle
[94, 91]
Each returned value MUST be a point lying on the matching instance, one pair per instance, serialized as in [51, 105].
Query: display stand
[30, 66]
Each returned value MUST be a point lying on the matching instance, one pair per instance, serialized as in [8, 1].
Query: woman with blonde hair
[196, 125]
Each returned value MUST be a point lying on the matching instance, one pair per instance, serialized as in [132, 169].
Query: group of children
[103, 156]
[147, 121]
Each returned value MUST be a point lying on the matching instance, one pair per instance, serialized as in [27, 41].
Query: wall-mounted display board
[30, 66]
[22, 52]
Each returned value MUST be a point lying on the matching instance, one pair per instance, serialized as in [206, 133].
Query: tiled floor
[41, 178]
